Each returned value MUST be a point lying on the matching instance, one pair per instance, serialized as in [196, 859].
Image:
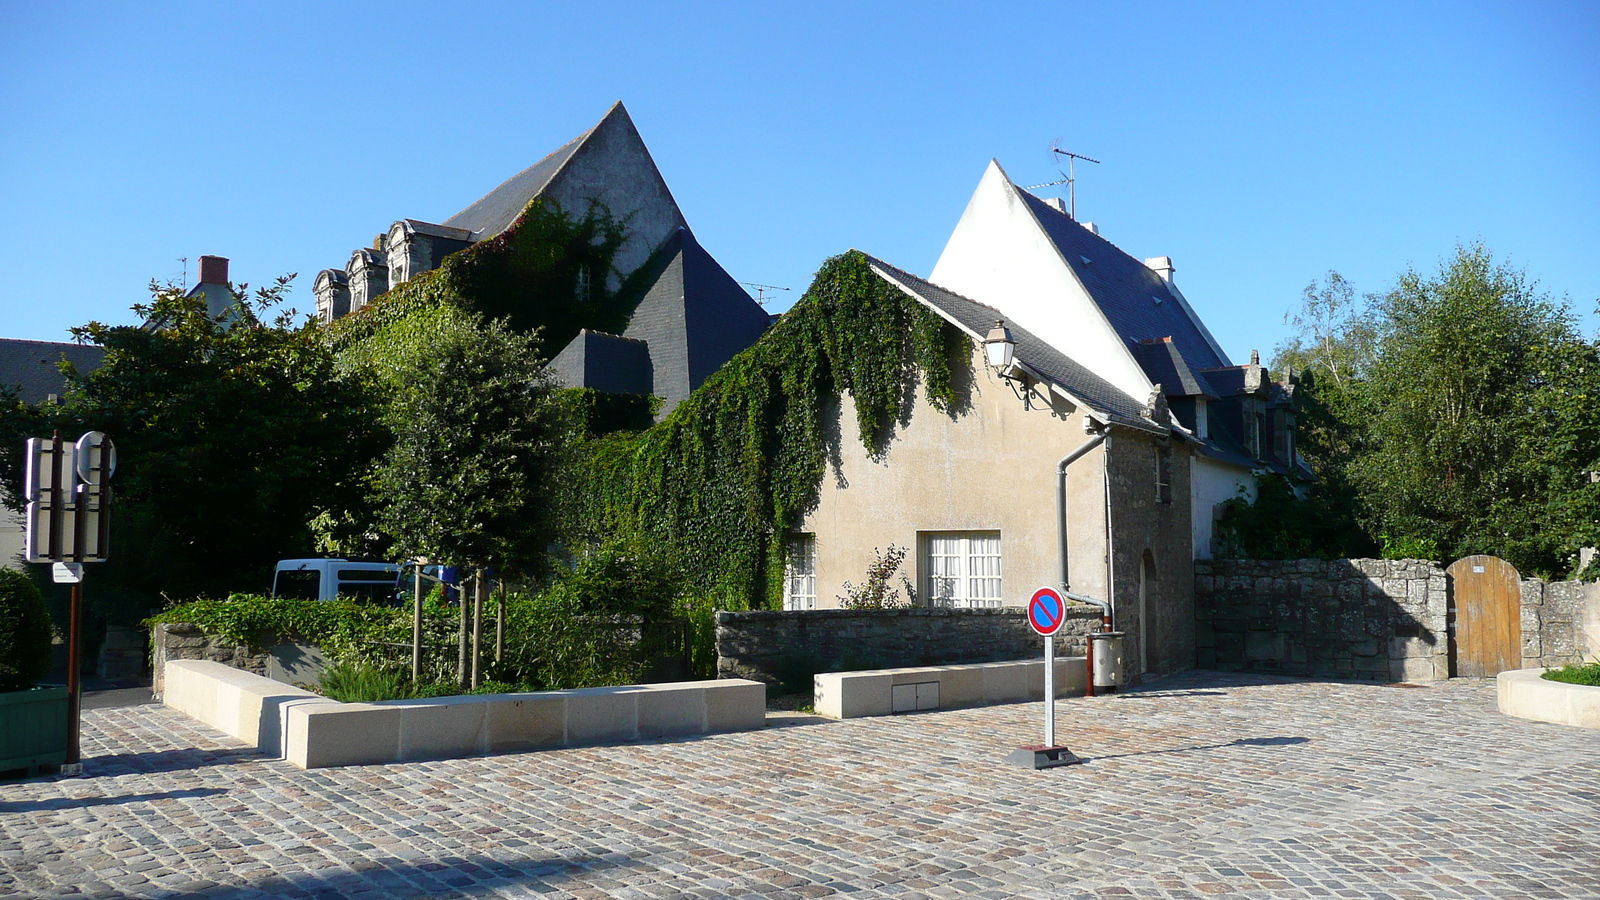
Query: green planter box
[33, 728]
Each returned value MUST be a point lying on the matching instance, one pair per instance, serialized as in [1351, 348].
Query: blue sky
[1258, 145]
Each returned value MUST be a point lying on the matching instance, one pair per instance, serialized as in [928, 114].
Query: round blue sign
[1047, 612]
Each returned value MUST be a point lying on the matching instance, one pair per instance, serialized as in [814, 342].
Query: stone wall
[1367, 618]
[180, 640]
[1560, 622]
[1351, 618]
[760, 644]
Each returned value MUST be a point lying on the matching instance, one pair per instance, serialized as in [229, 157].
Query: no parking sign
[1047, 611]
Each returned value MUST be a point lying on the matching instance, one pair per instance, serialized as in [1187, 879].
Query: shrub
[25, 632]
[362, 684]
[877, 592]
[1584, 673]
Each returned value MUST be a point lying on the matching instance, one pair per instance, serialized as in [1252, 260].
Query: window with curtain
[800, 573]
[962, 568]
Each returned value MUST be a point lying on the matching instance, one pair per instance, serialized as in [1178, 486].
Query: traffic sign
[1047, 611]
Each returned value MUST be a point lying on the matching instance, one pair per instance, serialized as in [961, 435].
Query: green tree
[1479, 429]
[230, 432]
[478, 434]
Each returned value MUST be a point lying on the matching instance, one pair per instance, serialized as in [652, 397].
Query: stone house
[1093, 459]
[692, 318]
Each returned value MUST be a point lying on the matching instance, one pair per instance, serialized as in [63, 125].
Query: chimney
[213, 270]
[1162, 265]
[1093, 229]
[1056, 203]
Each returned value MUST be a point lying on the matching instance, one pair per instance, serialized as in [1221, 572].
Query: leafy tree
[1484, 393]
[230, 431]
[478, 433]
[1452, 415]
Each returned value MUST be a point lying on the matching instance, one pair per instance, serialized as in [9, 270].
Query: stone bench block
[313, 732]
[1525, 694]
[849, 695]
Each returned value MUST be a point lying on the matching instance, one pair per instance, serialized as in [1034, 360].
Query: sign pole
[1050, 691]
[74, 765]
[1047, 612]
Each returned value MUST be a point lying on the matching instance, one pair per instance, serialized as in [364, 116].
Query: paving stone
[1201, 785]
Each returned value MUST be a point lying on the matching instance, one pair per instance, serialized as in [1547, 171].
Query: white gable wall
[999, 255]
[1215, 482]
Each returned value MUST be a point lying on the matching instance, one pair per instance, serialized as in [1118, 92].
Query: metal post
[463, 675]
[74, 765]
[477, 629]
[416, 627]
[1050, 691]
[500, 627]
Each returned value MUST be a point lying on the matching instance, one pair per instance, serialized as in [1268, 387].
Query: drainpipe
[1061, 545]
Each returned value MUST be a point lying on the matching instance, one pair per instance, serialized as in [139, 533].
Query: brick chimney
[213, 270]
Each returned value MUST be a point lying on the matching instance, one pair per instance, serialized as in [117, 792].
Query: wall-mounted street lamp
[1000, 348]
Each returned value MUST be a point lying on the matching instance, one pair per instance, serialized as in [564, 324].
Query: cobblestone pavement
[1205, 785]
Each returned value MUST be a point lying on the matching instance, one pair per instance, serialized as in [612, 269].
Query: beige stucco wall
[990, 467]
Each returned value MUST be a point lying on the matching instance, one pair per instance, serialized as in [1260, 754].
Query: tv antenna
[1069, 177]
[762, 290]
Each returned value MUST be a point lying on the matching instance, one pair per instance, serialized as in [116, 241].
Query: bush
[1585, 673]
[25, 632]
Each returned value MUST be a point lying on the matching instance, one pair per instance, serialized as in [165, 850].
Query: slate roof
[496, 210]
[30, 366]
[604, 362]
[1043, 359]
[1161, 361]
[1125, 289]
[694, 316]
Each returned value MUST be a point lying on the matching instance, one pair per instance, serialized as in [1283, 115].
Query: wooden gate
[1488, 609]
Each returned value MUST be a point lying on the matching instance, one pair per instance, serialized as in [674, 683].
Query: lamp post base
[1039, 756]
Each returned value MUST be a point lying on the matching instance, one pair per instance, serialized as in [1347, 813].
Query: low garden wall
[778, 647]
[1367, 618]
[286, 661]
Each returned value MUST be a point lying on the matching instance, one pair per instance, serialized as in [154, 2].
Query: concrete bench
[1526, 694]
[315, 732]
[883, 692]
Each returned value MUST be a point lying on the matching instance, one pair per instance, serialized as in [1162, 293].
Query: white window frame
[800, 572]
[962, 569]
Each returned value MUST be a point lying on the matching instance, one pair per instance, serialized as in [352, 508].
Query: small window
[582, 289]
[800, 573]
[1163, 460]
[962, 568]
[298, 584]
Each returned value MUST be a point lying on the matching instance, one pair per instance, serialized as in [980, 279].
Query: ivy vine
[717, 485]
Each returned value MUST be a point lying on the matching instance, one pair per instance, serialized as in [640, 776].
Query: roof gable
[1104, 400]
[1001, 255]
[607, 165]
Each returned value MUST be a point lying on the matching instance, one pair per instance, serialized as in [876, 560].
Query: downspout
[1061, 546]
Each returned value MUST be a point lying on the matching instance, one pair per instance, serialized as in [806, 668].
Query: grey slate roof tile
[496, 210]
[29, 367]
[1165, 366]
[1124, 288]
[695, 318]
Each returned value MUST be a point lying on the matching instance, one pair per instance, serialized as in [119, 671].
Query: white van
[326, 579]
